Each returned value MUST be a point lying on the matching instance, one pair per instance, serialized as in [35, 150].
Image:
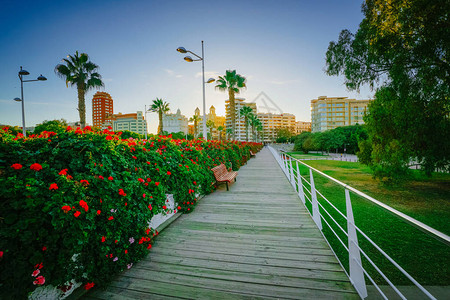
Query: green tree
[283, 133]
[195, 119]
[210, 125]
[254, 123]
[232, 83]
[300, 140]
[220, 130]
[126, 134]
[161, 107]
[54, 125]
[401, 49]
[246, 111]
[82, 73]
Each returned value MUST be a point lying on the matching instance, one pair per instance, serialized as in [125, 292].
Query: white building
[133, 122]
[175, 122]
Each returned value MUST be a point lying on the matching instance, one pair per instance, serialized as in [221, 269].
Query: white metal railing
[357, 272]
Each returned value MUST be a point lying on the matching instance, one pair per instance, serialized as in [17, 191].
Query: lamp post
[146, 123]
[200, 58]
[21, 74]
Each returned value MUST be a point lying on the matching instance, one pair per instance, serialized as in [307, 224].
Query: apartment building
[240, 120]
[301, 126]
[272, 122]
[331, 112]
[102, 108]
[133, 122]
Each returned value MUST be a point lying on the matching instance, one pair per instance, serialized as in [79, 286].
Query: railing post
[354, 256]
[315, 205]
[301, 193]
[292, 173]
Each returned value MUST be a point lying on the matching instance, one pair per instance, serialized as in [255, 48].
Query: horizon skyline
[280, 49]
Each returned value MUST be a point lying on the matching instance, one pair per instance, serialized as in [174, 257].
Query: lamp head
[41, 78]
[188, 59]
[17, 99]
[181, 50]
[23, 72]
[210, 80]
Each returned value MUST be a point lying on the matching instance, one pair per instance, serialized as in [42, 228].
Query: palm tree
[210, 124]
[195, 119]
[246, 112]
[79, 71]
[161, 108]
[255, 122]
[233, 83]
[260, 128]
[220, 130]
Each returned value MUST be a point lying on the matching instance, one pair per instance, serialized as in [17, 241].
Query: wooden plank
[267, 279]
[153, 278]
[113, 293]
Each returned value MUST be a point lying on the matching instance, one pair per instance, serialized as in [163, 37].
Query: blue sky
[278, 45]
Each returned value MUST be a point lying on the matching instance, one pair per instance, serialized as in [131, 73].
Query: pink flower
[16, 166]
[116, 258]
[88, 286]
[36, 273]
[36, 167]
[131, 240]
[40, 280]
[129, 266]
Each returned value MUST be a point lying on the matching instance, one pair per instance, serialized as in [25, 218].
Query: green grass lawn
[301, 155]
[427, 200]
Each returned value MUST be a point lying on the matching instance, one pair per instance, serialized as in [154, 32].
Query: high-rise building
[175, 122]
[301, 126]
[133, 122]
[272, 122]
[102, 108]
[329, 113]
[239, 120]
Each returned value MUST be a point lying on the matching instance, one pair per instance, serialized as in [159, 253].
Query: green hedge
[76, 205]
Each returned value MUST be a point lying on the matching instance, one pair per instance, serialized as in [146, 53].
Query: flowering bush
[77, 204]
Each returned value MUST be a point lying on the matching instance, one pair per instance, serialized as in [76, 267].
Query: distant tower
[212, 110]
[102, 108]
[197, 112]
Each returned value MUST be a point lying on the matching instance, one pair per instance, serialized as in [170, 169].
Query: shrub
[76, 205]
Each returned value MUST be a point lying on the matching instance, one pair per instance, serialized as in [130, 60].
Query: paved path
[256, 241]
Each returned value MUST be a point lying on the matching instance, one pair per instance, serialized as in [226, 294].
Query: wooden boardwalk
[256, 241]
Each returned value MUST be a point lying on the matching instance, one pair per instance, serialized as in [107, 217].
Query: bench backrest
[219, 170]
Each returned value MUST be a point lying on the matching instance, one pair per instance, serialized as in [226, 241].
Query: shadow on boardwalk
[256, 241]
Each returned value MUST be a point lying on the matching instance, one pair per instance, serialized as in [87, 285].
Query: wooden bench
[252, 154]
[223, 175]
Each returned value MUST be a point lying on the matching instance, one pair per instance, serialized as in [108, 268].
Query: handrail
[357, 279]
[435, 233]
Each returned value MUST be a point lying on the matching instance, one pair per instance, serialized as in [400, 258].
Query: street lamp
[146, 123]
[21, 74]
[200, 58]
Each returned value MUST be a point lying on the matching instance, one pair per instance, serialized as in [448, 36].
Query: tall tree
[79, 71]
[254, 122]
[220, 131]
[246, 112]
[210, 124]
[232, 83]
[195, 119]
[161, 107]
[401, 49]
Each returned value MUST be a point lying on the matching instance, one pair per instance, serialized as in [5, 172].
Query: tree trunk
[232, 113]
[81, 104]
[246, 128]
[160, 127]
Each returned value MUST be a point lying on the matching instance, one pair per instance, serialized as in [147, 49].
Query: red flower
[99, 212]
[89, 286]
[148, 180]
[122, 193]
[149, 246]
[44, 248]
[143, 195]
[36, 167]
[103, 239]
[179, 207]
[85, 182]
[63, 172]
[76, 214]
[84, 205]
[164, 207]
[110, 218]
[1, 254]
[101, 177]
[150, 206]
[168, 173]
[134, 157]
[110, 178]
[156, 183]
[126, 251]
[109, 138]
[40, 280]
[141, 180]
[116, 241]
[66, 208]
[16, 166]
